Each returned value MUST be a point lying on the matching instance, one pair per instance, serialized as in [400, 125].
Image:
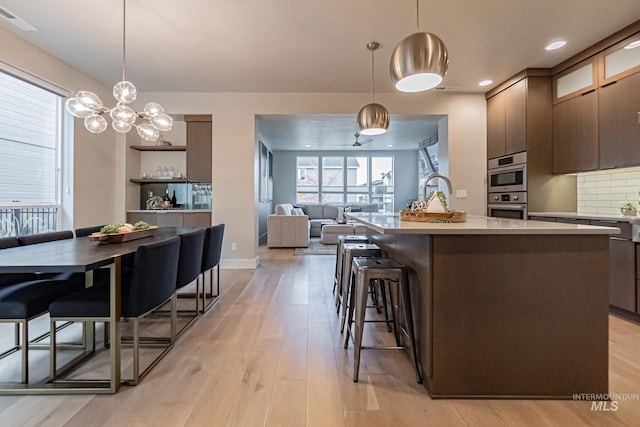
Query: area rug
[316, 248]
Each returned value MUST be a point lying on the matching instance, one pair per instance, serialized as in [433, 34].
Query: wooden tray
[451, 216]
[123, 237]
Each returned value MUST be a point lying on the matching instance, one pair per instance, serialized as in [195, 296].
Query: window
[307, 183]
[357, 180]
[346, 180]
[30, 135]
[332, 179]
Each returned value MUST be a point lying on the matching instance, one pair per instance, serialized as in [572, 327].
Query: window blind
[29, 141]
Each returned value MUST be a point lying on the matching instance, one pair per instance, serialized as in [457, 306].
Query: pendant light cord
[124, 37]
[373, 78]
[417, 16]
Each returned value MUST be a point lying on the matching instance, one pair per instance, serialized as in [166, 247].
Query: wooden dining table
[79, 255]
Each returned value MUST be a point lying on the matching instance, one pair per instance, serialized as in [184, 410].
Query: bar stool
[350, 251]
[392, 273]
[342, 239]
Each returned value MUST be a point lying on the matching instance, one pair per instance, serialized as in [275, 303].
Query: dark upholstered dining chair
[9, 242]
[211, 259]
[24, 297]
[150, 284]
[85, 231]
[45, 237]
[189, 263]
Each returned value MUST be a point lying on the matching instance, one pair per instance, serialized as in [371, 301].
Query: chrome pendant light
[88, 106]
[373, 119]
[419, 62]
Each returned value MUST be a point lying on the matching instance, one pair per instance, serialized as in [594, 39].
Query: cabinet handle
[609, 84]
[587, 92]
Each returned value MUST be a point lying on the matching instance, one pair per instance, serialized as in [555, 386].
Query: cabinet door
[619, 131]
[622, 274]
[199, 150]
[574, 81]
[620, 60]
[516, 117]
[496, 128]
[575, 134]
[169, 219]
[197, 219]
[149, 218]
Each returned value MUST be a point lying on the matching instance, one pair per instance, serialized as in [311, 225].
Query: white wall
[604, 192]
[101, 176]
[94, 180]
[234, 154]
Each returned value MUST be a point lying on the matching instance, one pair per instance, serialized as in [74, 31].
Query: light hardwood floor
[270, 353]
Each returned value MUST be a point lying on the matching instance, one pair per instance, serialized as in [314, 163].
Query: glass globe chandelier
[88, 106]
[419, 62]
[373, 119]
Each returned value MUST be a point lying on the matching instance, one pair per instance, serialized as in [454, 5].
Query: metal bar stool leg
[361, 290]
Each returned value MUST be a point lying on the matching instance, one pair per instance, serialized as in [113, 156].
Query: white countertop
[387, 223]
[597, 217]
[167, 210]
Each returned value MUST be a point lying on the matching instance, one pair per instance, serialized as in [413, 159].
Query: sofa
[321, 214]
[288, 227]
[291, 226]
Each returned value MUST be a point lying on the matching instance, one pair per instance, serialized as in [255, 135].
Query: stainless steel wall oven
[508, 173]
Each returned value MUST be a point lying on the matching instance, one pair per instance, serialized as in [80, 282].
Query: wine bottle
[174, 200]
[166, 196]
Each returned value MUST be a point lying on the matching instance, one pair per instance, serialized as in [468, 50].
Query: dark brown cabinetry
[575, 134]
[619, 130]
[507, 121]
[596, 97]
[624, 262]
[622, 274]
[199, 129]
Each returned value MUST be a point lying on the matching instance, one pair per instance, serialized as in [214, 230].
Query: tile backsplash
[604, 192]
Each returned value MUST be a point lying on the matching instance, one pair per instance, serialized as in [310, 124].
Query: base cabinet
[622, 274]
[171, 219]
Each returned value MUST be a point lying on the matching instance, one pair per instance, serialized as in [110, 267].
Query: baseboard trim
[240, 264]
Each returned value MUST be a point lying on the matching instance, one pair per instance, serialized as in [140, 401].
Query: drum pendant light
[373, 119]
[419, 62]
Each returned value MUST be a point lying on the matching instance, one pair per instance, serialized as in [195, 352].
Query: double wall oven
[507, 186]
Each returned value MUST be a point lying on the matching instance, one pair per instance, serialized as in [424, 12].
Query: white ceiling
[305, 45]
[337, 132]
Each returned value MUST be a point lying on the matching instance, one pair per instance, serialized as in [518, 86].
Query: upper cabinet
[514, 114]
[575, 81]
[620, 60]
[199, 138]
[619, 105]
[575, 134]
[596, 106]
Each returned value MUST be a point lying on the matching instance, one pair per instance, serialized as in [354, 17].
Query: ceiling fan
[360, 143]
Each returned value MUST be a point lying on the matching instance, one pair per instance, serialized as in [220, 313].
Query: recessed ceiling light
[389, 145]
[633, 45]
[485, 83]
[556, 45]
[307, 145]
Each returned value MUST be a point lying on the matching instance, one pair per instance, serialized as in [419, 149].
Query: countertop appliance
[508, 205]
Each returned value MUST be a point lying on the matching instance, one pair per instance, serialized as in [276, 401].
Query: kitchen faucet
[432, 176]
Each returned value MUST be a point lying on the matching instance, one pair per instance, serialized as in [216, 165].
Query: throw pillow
[297, 211]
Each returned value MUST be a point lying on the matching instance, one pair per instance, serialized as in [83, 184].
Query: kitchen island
[504, 308]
